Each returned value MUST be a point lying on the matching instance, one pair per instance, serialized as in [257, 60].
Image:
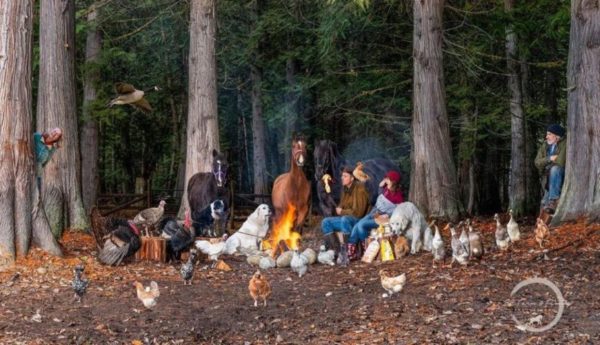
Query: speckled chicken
[326, 257]
[502, 239]
[459, 252]
[148, 294]
[150, 216]
[541, 232]
[299, 263]
[392, 284]
[476, 249]
[513, 228]
[437, 247]
[79, 284]
[259, 287]
[187, 269]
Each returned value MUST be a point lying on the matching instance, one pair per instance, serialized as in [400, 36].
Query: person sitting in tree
[45, 144]
[550, 161]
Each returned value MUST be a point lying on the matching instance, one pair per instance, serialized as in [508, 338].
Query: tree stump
[152, 249]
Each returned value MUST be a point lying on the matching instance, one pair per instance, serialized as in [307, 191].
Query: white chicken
[513, 228]
[326, 257]
[459, 251]
[213, 250]
[299, 263]
[428, 236]
[464, 239]
[392, 284]
[437, 246]
[502, 239]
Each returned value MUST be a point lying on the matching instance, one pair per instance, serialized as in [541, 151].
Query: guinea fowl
[179, 236]
[116, 238]
[79, 284]
[150, 216]
[502, 239]
[513, 228]
[127, 94]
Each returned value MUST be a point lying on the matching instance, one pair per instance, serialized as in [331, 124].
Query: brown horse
[293, 187]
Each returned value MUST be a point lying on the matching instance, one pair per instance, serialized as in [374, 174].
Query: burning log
[282, 237]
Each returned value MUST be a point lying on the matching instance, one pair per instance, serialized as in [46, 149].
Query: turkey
[117, 239]
[179, 236]
[150, 216]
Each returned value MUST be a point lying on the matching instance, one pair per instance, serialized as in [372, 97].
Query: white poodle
[254, 230]
[407, 219]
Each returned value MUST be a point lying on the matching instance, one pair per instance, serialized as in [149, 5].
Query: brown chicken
[259, 287]
[541, 232]
[401, 247]
[148, 294]
[358, 172]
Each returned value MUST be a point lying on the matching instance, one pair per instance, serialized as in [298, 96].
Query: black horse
[206, 187]
[329, 160]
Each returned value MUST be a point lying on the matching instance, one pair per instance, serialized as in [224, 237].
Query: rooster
[392, 284]
[148, 294]
[179, 236]
[79, 285]
[187, 269]
[116, 238]
[259, 287]
[150, 216]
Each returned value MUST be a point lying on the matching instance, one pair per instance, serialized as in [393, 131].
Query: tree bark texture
[202, 122]
[16, 154]
[258, 134]
[517, 189]
[433, 185]
[580, 195]
[56, 107]
[292, 111]
[89, 128]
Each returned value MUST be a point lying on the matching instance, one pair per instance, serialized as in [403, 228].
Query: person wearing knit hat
[390, 196]
[550, 161]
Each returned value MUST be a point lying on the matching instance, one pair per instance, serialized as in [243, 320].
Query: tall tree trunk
[433, 186]
[56, 107]
[89, 128]
[202, 121]
[17, 185]
[258, 134]
[580, 195]
[517, 182]
[291, 106]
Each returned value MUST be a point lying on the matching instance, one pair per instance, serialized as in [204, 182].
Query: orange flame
[282, 231]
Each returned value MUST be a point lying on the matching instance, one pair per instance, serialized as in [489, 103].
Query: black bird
[187, 269]
[79, 284]
[179, 236]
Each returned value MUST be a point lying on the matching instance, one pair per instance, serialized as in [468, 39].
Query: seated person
[45, 144]
[390, 196]
[550, 161]
[354, 204]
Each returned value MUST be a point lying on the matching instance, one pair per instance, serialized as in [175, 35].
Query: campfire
[282, 237]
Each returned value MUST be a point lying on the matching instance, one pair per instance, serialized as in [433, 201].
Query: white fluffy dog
[254, 230]
[407, 219]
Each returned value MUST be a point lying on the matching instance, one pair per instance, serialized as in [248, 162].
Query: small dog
[205, 220]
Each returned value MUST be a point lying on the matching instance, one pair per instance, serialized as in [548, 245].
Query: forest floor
[329, 305]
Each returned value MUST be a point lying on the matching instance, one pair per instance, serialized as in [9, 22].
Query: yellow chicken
[392, 284]
[148, 294]
[541, 232]
[359, 174]
[259, 287]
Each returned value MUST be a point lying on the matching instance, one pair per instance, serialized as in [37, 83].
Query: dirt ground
[329, 305]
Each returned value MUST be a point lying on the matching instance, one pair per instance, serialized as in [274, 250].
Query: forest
[457, 94]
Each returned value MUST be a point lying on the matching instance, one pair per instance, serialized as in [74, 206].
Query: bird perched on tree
[127, 94]
[150, 216]
[79, 284]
